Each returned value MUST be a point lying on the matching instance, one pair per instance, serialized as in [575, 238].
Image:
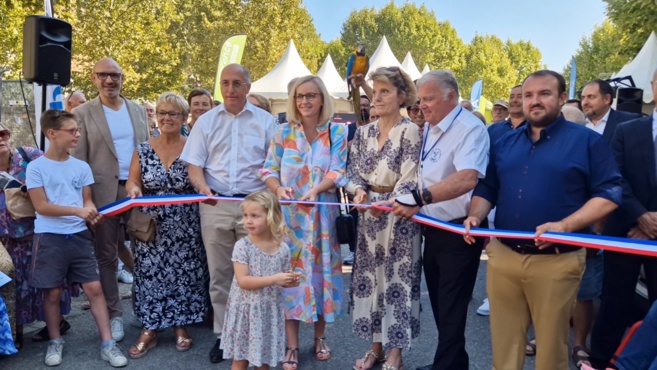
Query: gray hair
[445, 80]
[175, 99]
[573, 114]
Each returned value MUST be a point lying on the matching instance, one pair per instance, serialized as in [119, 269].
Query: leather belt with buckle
[527, 247]
[381, 189]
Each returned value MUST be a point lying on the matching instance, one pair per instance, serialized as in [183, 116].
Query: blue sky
[554, 26]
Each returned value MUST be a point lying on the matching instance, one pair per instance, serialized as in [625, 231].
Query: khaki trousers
[538, 289]
[106, 238]
[220, 230]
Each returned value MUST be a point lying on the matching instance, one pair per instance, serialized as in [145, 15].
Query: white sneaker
[484, 309]
[125, 277]
[116, 325]
[349, 259]
[54, 352]
[113, 355]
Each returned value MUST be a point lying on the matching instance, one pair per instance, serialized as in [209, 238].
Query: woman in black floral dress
[171, 271]
[385, 286]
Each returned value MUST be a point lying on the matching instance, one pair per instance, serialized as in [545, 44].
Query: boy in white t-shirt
[63, 249]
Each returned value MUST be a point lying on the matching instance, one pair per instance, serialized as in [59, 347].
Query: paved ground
[81, 351]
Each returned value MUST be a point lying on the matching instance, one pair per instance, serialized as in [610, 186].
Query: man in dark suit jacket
[597, 97]
[635, 146]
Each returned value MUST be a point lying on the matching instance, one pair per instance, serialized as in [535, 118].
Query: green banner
[231, 52]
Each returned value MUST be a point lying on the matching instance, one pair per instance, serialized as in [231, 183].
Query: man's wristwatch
[426, 196]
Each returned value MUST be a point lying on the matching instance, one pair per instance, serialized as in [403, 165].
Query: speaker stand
[44, 98]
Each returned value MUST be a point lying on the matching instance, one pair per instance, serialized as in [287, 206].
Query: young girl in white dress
[254, 328]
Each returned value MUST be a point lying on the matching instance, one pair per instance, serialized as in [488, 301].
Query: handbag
[17, 205]
[345, 224]
[141, 226]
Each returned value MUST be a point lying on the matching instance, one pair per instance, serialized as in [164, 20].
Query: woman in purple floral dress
[16, 236]
[385, 289]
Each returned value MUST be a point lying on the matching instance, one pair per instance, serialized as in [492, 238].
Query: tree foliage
[487, 59]
[407, 28]
[599, 54]
[636, 19]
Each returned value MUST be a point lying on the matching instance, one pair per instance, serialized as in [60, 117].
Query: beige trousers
[220, 230]
[525, 289]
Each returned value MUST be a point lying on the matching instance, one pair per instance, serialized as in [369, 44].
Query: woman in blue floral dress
[171, 271]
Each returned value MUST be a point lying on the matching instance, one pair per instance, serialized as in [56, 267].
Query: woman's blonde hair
[399, 79]
[269, 202]
[325, 114]
[262, 101]
[175, 99]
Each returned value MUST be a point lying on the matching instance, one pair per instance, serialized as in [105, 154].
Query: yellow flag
[231, 52]
[486, 108]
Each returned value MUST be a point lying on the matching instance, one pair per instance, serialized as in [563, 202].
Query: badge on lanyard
[435, 155]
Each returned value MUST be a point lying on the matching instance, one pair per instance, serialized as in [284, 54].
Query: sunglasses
[5, 134]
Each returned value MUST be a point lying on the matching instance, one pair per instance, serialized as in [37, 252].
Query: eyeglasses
[174, 115]
[415, 110]
[236, 85]
[5, 134]
[72, 131]
[310, 97]
[104, 75]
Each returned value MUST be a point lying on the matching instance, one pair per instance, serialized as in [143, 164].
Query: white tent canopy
[425, 69]
[383, 57]
[642, 67]
[335, 85]
[409, 66]
[274, 83]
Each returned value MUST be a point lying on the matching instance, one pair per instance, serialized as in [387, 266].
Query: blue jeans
[641, 351]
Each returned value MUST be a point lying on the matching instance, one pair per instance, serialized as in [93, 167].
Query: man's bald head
[106, 62]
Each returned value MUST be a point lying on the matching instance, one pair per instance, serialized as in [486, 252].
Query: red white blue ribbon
[624, 245]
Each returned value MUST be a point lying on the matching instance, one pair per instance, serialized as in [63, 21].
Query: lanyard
[426, 136]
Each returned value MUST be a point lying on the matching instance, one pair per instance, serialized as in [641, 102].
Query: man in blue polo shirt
[515, 120]
[550, 175]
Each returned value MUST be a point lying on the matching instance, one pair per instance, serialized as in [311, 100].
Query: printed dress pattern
[254, 328]
[311, 232]
[170, 272]
[385, 287]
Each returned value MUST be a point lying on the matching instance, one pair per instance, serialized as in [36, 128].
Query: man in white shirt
[111, 126]
[597, 97]
[226, 149]
[454, 156]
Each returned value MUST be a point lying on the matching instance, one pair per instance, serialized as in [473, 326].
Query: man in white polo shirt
[454, 156]
[226, 149]
[111, 126]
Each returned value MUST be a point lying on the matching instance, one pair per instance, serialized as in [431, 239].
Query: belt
[381, 189]
[233, 196]
[526, 247]
[122, 182]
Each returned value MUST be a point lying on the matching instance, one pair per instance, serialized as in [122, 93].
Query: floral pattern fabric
[16, 235]
[171, 271]
[311, 233]
[6, 341]
[385, 288]
[254, 328]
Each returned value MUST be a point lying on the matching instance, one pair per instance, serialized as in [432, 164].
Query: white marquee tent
[383, 57]
[642, 67]
[335, 84]
[409, 66]
[425, 69]
[274, 83]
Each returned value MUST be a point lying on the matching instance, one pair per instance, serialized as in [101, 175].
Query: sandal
[323, 353]
[391, 367]
[147, 340]
[43, 336]
[183, 341]
[291, 364]
[530, 349]
[378, 358]
[580, 356]
[18, 343]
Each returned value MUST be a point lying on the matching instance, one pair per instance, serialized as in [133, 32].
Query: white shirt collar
[247, 107]
[446, 122]
[604, 118]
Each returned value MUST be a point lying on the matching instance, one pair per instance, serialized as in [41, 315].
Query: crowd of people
[260, 266]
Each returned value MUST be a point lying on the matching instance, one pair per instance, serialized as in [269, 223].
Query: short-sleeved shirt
[458, 142]
[534, 182]
[62, 183]
[231, 148]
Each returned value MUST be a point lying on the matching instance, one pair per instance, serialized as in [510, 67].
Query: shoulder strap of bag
[23, 154]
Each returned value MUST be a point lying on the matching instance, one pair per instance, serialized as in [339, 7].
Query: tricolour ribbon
[624, 245]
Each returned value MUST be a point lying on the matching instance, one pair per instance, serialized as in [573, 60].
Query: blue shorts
[591, 286]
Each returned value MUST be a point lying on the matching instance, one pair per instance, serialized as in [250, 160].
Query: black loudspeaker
[47, 50]
[629, 99]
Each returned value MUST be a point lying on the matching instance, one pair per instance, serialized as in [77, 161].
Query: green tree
[407, 28]
[636, 19]
[487, 59]
[525, 58]
[599, 55]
